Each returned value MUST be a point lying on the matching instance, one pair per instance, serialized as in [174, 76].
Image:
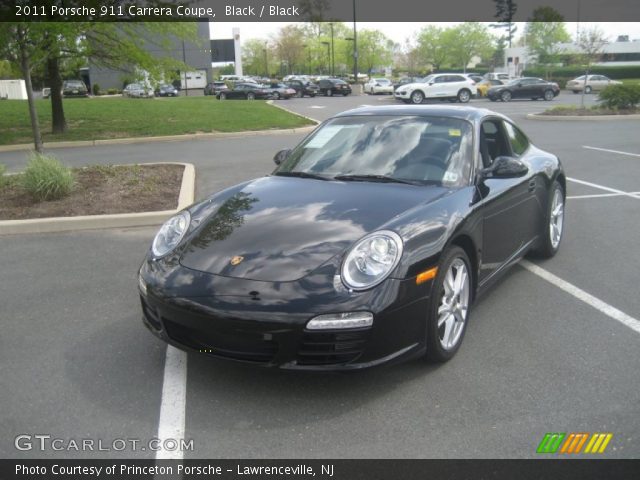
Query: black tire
[329, 93]
[345, 94]
[222, 96]
[299, 94]
[464, 96]
[276, 96]
[436, 352]
[587, 89]
[548, 95]
[417, 97]
[534, 98]
[493, 99]
[576, 91]
[251, 96]
[312, 95]
[505, 96]
[545, 247]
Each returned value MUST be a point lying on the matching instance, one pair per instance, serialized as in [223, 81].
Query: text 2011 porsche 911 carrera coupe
[368, 244]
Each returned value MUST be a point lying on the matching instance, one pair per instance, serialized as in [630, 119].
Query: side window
[517, 139]
[456, 78]
[493, 142]
[440, 79]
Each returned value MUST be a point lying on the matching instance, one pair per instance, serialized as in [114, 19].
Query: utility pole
[355, 45]
[333, 55]
[184, 60]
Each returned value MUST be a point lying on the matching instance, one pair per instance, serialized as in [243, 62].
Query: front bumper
[264, 323]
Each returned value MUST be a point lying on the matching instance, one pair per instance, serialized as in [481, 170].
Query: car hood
[282, 228]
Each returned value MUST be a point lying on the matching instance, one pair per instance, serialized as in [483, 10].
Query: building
[615, 54]
[196, 55]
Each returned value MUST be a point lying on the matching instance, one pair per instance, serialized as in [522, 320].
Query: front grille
[328, 348]
[250, 347]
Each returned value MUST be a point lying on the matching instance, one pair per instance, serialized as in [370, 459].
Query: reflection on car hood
[284, 227]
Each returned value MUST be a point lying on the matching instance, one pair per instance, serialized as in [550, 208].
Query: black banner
[320, 469]
[309, 10]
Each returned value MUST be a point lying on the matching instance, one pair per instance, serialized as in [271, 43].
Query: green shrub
[617, 72]
[95, 89]
[112, 91]
[2, 170]
[46, 178]
[620, 96]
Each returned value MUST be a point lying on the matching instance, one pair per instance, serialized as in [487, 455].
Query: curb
[314, 120]
[584, 118]
[168, 138]
[115, 220]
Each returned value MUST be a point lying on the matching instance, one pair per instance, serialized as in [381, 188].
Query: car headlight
[170, 234]
[371, 260]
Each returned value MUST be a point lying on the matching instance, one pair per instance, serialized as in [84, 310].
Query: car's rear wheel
[505, 96]
[464, 95]
[299, 94]
[576, 91]
[312, 95]
[548, 95]
[417, 97]
[222, 96]
[587, 89]
[329, 93]
[449, 306]
[553, 228]
[251, 96]
[276, 96]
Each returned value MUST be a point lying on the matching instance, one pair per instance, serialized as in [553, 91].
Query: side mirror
[519, 84]
[281, 156]
[430, 83]
[505, 167]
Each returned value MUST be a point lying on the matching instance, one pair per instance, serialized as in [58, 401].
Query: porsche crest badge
[236, 260]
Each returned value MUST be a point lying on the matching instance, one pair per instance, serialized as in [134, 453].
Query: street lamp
[333, 56]
[355, 45]
[328, 54]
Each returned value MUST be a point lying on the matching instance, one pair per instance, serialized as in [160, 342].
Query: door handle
[532, 185]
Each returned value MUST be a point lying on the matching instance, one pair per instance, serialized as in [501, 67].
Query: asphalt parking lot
[76, 361]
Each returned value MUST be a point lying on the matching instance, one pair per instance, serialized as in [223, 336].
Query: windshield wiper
[374, 178]
[302, 175]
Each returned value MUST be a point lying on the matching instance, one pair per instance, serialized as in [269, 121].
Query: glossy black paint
[245, 91]
[293, 234]
[333, 86]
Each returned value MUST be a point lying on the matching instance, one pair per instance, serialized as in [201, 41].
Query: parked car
[369, 243]
[497, 76]
[167, 91]
[378, 85]
[594, 83]
[303, 88]
[333, 86]
[485, 85]
[476, 78]
[446, 86]
[137, 90]
[246, 91]
[46, 92]
[527, 87]
[74, 88]
[280, 90]
[213, 88]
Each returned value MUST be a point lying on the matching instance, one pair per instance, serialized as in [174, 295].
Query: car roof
[463, 113]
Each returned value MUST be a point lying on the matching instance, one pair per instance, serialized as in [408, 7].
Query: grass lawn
[115, 117]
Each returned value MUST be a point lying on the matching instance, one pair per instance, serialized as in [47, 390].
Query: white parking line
[316, 106]
[602, 187]
[600, 195]
[611, 151]
[610, 311]
[173, 406]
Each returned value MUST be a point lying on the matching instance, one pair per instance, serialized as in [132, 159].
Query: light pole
[266, 61]
[328, 55]
[355, 45]
[333, 56]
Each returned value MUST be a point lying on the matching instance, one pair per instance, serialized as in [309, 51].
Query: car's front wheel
[417, 97]
[449, 306]
[222, 96]
[329, 93]
[276, 96]
[505, 96]
[553, 228]
[548, 95]
[464, 95]
[299, 94]
[587, 89]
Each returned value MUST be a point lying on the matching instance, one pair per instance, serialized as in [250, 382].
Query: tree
[374, 49]
[505, 11]
[431, 46]
[256, 54]
[289, 43]
[591, 43]
[545, 32]
[467, 40]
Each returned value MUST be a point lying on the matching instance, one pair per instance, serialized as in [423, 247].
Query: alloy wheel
[556, 219]
[454, 304]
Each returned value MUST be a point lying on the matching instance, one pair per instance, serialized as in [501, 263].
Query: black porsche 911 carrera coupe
[369, 243]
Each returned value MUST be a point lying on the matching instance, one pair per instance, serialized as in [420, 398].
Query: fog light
[333, 321]
[142, 285]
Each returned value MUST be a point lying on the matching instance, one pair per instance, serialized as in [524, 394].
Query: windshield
[74, 83]
[422, 150]
[382, 81]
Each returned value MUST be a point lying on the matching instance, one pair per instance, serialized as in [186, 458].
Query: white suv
[451, 86]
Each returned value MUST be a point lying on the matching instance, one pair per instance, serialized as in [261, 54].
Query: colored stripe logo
[573, 443]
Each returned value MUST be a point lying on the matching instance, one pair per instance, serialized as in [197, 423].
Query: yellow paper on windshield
[454, 132]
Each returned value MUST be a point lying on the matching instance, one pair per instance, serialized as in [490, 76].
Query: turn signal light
[426, 275]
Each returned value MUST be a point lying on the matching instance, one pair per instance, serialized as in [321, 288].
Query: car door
[522, 89]
[239, 90]
[507, 203]
[437, 87]
[598, 82]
